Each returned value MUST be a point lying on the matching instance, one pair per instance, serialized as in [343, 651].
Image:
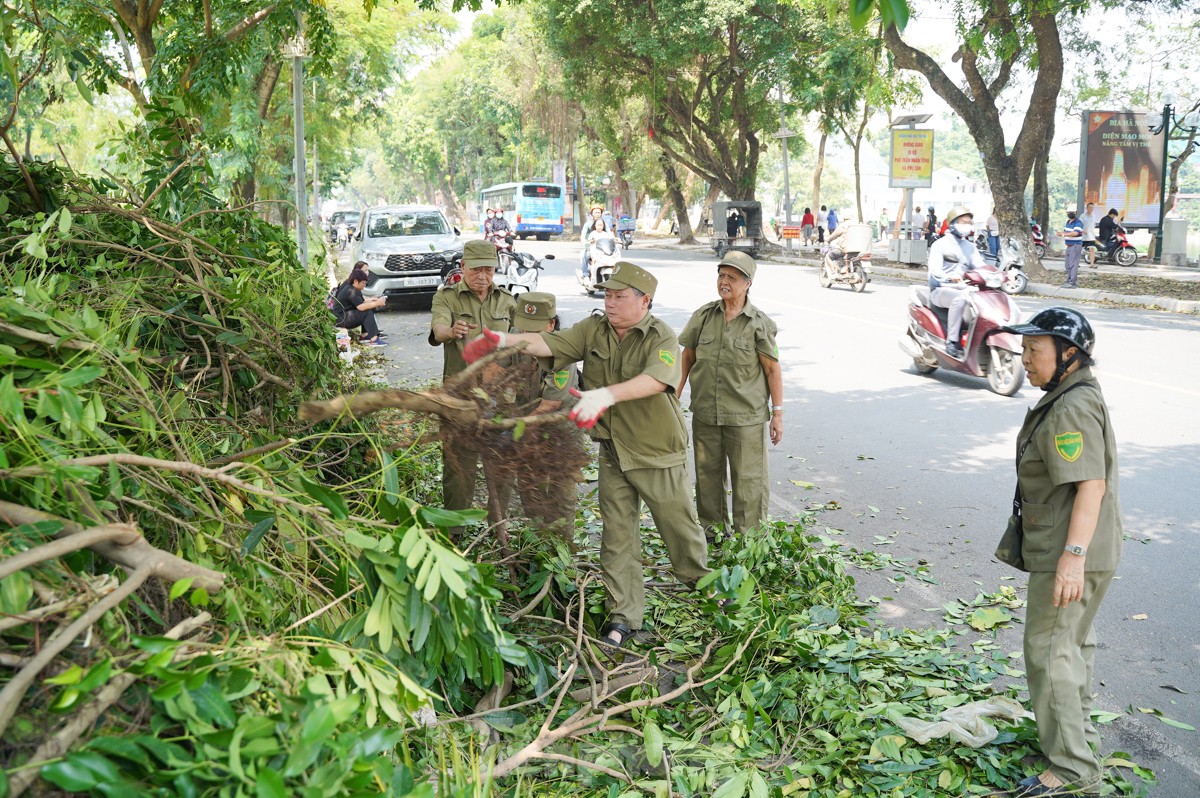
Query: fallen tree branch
[64, 738]
[364, 404]
[14, 691]
[120, 534]
[134, 556]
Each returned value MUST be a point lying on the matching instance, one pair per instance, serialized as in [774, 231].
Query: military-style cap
[630, 275]
[740, 261]
[535, 310]
[479, 253]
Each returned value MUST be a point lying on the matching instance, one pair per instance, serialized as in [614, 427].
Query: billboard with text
[912, 158]
[1120, 166]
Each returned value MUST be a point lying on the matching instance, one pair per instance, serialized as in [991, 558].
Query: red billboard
[1120, 166]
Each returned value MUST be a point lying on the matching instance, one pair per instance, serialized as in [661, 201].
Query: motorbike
[602, 259]
[988, 352]
[520, 272]
[625, 229]
[852, 269]
[1010, 262]
[1119, 250]
[1039, 240]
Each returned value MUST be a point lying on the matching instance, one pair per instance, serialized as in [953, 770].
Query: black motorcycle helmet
[1069, 328]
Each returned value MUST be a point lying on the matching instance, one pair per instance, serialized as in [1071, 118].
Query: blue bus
[531, 208]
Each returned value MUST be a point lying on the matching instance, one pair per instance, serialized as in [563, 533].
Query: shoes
[1069, 285]
[954, 350]
[1032, 787]
[374, 344]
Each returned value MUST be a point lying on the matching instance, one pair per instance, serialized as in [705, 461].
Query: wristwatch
[1079, 550]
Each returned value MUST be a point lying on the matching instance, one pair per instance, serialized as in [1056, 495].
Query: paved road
[934, 455]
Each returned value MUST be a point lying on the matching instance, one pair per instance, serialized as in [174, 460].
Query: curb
[1168, 304]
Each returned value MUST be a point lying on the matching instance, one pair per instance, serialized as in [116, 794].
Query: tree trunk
[817, 169]
[857, 144]
[663, 210]
[706, 220]
[675, 192]
[1041, 183]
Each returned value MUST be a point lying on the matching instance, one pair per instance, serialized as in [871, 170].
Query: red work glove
[590, 407]
[485, 344]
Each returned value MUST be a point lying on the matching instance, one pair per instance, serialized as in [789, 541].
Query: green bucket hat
[479, 253]
[630, 275]
[740, 261]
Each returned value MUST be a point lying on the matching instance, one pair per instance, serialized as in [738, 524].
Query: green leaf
[654, 743]
[1178, 724]
[64, 220]
[269, 784]
[257, 533]
[986, 618]
[438, 517]
[180, 587]
[734, 788]
[70, 676]
[518, 431]
[80, 376]
[391, 478]
[83, 770]
[16, 590]
[333, 502]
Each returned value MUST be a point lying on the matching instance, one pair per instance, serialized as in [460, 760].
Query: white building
[952, 188]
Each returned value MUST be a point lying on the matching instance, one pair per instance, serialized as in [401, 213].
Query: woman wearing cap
[730, 354]
[1071, 520]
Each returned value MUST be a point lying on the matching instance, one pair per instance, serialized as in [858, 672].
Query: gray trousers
[955, 299]
[1071, 262]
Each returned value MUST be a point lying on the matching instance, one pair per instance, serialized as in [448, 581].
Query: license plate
[417, 282]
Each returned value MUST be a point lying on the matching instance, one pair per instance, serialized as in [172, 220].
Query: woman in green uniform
[729, 353]
[1071, 519]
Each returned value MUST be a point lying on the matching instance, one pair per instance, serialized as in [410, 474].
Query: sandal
[614, 634]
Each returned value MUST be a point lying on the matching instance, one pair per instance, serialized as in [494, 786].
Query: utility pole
[783, 135]
[297, 50]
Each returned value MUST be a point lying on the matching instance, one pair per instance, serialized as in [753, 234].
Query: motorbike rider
[598, 232]
[585, 266]
[500, 226]
[487, 223]
[950, 257]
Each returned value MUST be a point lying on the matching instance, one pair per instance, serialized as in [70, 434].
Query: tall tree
[997, 41]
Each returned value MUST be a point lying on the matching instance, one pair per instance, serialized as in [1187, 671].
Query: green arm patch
[561, 378]
[666, 357]
[1069, 445]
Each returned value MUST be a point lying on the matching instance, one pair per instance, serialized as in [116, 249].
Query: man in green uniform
[1070, 511]
[549, 503]
[631, 365]
[729, 353]
[459, 312]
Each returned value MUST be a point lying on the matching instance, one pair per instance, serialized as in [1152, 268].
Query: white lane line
[1147, 383]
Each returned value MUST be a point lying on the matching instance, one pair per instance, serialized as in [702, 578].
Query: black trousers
[354, 318]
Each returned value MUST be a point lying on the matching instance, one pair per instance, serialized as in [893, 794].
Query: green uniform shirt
[1074, 443]
[539, 383]
[729, 386]
[458, 302]
[647, 432]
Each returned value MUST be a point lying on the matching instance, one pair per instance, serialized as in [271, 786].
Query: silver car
[408, 249]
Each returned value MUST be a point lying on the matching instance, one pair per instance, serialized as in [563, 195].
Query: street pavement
[921, 467]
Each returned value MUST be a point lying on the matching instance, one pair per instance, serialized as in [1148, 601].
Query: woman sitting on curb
[352, 310]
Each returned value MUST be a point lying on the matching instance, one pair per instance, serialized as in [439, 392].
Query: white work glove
[485, 344]
[591, 405]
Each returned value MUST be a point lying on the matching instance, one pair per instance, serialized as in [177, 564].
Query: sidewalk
[884, 268]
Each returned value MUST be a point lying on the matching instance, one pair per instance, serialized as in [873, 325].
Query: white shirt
[965, 257]
[1089, 225]
[993, 225]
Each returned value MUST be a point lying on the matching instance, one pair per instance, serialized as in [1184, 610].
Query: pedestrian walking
[1089, 220]
[885, 226]
[1073, 235]
[832, 221]
[460, 311]
[1069, 516]
[917, 222]
[630, 370]
[822, 224]
[730, 355]
[807, 222]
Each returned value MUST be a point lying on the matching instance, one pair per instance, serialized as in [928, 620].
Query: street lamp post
[297, 50]
[783, 135]
[1166, 123]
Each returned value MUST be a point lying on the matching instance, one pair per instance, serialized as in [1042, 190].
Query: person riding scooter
[500, 226]
[596, 212]
[601, 244]
[950, 257]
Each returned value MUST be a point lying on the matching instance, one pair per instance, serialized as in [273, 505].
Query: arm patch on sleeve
[1069, 445]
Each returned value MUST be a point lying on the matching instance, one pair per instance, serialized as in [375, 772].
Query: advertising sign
[789, 231]
[912, 158]
[1120, 166]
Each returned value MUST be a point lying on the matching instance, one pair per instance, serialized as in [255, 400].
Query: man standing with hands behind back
[630, 370]
[460, 311]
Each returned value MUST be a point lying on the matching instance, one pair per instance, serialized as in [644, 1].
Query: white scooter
[519, 272]
[602, 259]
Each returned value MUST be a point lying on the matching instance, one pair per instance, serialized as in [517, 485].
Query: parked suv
[408, 249]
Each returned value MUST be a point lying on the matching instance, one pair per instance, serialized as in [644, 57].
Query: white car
[408, 249]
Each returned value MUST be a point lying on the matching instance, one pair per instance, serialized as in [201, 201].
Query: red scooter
[987, 351]
[1039, 240]
[1118, 248]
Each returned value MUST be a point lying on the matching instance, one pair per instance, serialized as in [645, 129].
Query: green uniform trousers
[665, 492]
[549, 505]
[1060, 649]
[460, 474]
[744, 451]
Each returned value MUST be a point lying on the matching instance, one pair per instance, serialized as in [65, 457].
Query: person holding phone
[351, 310]
[460, 312]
